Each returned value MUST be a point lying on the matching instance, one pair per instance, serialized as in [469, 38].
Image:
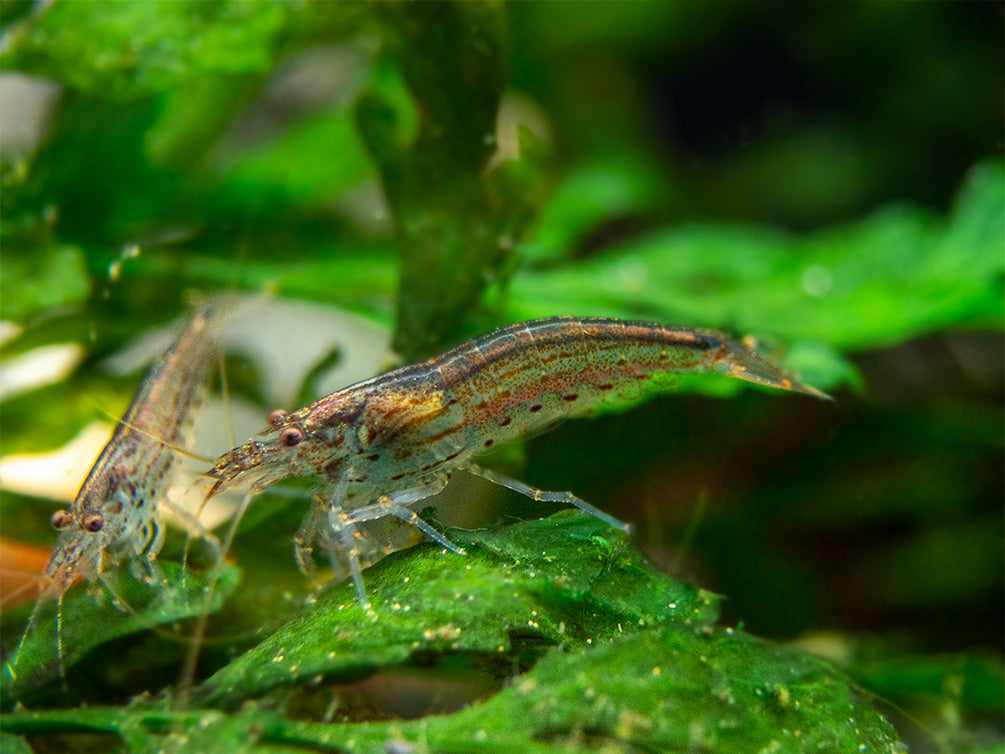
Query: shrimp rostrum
[391, 441]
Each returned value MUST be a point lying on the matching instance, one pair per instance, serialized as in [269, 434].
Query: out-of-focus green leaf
[41, 277]
[134, 48]
[13, 744]
[568, 579]
[181, 595]
[895, 275]
[307, 165]
[588, 197]
[976, 680]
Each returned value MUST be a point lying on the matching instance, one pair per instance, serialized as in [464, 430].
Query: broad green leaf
[672, 687]
[897, 274]
[89, 621]
[567, 579]
[40, 272]
[136, 48]
[588, 197]
[306, 165]
[39, 278]
[13, 744]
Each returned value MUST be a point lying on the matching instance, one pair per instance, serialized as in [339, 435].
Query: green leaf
[567, 579]
[41, 277]
[89, 621]
[670, 688]
[130, 49]
[328, 158]
[895, 275]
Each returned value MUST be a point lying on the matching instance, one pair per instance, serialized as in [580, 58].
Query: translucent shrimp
[394, 440]
[116, 514]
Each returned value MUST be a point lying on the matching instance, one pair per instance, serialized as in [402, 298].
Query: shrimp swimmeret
[393, 440]
[116, 514]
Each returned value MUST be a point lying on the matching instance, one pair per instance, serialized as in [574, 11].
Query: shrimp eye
[94, 523]
[290, 437]
[277, 417]
[61, 519]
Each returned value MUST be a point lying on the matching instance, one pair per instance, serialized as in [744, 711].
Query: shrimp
[116, 513]
[391, 441]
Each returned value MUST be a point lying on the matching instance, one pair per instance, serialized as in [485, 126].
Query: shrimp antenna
[167, 444]
[198, 634]
[225, 397]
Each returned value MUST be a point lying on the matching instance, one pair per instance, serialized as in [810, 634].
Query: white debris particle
[481, 736]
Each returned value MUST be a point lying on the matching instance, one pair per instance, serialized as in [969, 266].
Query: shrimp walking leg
[394, 505]
[342, 525]
[548, 497]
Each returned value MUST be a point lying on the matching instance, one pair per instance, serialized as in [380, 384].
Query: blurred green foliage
[446, 168]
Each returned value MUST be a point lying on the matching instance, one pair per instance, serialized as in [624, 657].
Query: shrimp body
[395, 439]
[116, 513]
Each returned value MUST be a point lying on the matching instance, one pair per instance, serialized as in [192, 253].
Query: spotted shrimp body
[394, 440]
[116, 513]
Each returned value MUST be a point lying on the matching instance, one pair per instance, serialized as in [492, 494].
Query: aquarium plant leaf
[568, 579]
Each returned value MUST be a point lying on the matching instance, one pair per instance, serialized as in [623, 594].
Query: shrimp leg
[533, 493]
[394, 504]
[343, 525]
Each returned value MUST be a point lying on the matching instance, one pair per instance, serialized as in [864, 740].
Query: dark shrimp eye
[94, 523]
[61, 519]
[277, 417]
[290, 437]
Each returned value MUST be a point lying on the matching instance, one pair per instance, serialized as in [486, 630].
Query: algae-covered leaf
[673, 686]
[568, 579]
[670, 688]
[88, 621]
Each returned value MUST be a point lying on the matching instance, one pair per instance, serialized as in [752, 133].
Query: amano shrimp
[116, 513]
[391, 441]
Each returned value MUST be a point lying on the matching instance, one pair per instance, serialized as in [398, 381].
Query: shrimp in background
[116, 514]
